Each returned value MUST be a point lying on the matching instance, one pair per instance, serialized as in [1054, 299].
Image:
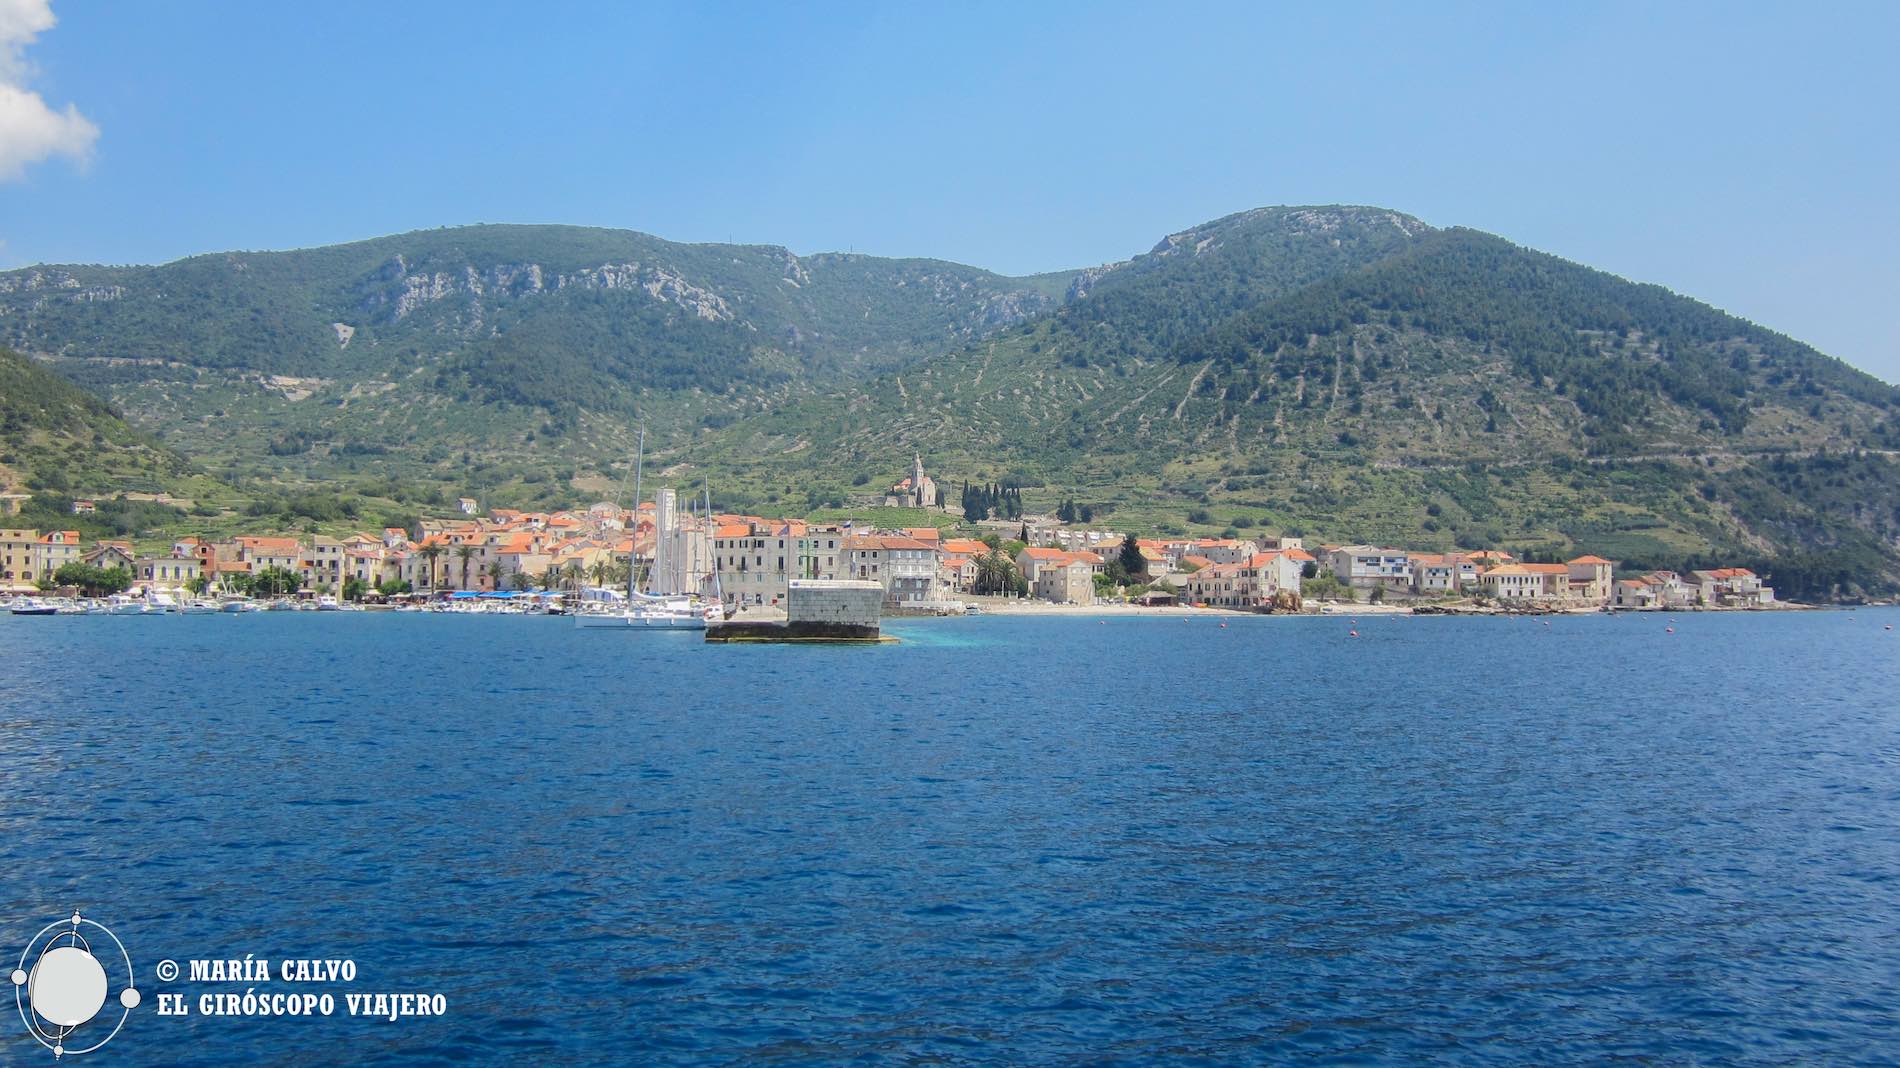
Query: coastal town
[1026, 562]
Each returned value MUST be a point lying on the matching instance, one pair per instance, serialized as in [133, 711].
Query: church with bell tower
[917, 491]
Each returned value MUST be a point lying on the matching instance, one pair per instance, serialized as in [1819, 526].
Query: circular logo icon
[62, 986]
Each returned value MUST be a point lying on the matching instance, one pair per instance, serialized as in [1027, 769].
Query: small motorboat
[121, 605]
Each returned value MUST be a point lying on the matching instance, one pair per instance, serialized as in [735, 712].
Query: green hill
[57, 438]
[1349, 373]
[508, 352]
[1447, 388]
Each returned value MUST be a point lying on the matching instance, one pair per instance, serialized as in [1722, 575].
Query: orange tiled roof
[519, 543]
[1589, 560]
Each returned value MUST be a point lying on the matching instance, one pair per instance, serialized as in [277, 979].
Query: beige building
[1515, 582]
[1251, 583]
[1591, 581]
[323, 563]
[1730, 587]
[57, 548]
[1583, 581]
[906, 567]
[166, 572]
[260, 553]
[1070, 582]
[110, 554]
[19, 560]
[756, 558]
[1031, 559]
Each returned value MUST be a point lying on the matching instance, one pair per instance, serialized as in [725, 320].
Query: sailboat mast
[633, 546]
[712, 532]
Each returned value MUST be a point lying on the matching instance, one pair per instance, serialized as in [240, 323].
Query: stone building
[917, 491]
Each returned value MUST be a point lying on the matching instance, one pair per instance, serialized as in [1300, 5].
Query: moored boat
[633, 609]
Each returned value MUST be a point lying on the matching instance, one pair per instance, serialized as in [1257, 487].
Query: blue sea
[1002, 841]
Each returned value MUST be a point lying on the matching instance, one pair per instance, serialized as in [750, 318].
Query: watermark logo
[64, 982]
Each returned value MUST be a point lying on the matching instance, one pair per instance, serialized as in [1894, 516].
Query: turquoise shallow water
[1003, 841]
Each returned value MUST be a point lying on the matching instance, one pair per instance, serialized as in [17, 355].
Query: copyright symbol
[167, 970]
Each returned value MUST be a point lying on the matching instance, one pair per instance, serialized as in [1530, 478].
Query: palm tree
[465, 552]
[493, 571]
[571, 574]
[598, 572]
[995, 573]
[430, 553]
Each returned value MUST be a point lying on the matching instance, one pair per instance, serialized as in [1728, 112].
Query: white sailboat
[640, 610]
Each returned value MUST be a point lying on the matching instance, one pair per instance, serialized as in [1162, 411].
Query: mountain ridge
[1347, 370]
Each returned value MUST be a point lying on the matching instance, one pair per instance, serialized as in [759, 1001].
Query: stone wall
[840, 601]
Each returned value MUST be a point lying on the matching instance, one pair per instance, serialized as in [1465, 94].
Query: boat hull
[640, 621]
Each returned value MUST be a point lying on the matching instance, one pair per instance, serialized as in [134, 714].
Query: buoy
[1669, 630]
[1223, 626]
[1352, 634]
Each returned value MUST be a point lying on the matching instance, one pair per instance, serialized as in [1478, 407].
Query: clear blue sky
[1749, 156]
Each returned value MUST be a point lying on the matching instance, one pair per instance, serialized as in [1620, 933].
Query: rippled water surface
[1004, 840]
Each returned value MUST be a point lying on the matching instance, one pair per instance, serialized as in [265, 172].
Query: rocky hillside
[1349, 373]
[1437, 388]
[498, 342]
